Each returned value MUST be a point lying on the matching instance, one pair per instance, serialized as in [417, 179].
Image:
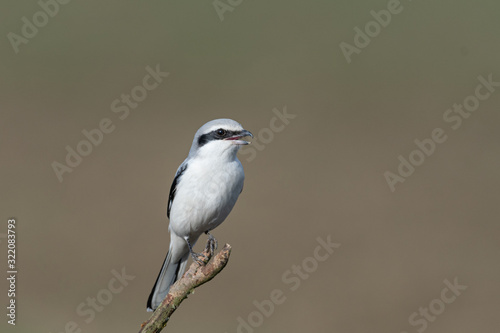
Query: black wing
[173, 188]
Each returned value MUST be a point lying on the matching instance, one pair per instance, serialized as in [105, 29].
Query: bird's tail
[171, 271]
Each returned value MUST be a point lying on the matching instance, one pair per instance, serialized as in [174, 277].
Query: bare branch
[194, 277]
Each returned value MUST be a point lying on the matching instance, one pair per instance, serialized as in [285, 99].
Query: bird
[205, 189]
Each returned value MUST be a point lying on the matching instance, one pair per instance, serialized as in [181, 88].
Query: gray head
[219, 136]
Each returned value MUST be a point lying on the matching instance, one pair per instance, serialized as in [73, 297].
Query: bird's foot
[200, 258]
[211, 244]
[204, 257]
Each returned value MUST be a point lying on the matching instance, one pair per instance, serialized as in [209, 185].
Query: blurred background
[316, 172]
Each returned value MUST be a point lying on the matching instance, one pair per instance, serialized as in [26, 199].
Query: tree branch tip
[194, 277]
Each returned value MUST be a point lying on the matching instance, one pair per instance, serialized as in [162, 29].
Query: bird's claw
[211, 244]
[200, 258]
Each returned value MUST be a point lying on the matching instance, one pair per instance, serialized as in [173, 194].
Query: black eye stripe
[214, 135]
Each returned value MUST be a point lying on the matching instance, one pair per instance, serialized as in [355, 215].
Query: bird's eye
[221, 132]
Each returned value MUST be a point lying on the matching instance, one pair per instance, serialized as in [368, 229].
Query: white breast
[208, 191]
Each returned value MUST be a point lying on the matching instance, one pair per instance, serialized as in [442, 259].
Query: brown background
[322, 175]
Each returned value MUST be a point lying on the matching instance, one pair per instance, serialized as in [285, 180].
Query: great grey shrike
[203, 193]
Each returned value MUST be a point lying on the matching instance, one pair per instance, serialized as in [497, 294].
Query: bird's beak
[236, 138]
